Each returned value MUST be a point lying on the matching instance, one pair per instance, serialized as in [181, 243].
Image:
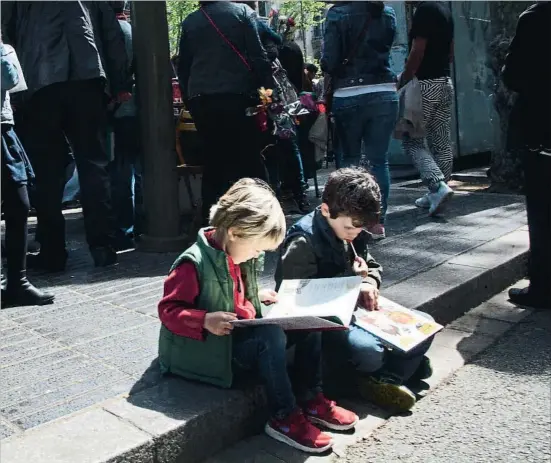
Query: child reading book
[213, 283]
[331, 242]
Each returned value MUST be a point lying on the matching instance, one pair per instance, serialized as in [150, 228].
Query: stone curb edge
[119, 432]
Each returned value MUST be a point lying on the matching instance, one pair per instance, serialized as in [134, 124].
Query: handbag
[328, 81]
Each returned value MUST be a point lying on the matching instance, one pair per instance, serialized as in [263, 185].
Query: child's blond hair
[251, 209]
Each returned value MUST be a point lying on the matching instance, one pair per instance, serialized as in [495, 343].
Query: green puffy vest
[209, 360]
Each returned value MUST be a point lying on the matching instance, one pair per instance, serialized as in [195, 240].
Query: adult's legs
[382, 111]
[439, 137]
[349, 128]
[85, 125]
[47, 150]
[232, 144]
[537, 174]
[16, 210]
[431, 175]
[125, 185]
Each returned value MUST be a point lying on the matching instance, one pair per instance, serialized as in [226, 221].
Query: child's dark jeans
[264, 350]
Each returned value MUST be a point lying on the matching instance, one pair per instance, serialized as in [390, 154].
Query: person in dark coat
[73, 56]
[16, 174]
[222, 65]
[527, 71]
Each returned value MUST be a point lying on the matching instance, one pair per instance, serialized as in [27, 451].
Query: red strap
[232, 46]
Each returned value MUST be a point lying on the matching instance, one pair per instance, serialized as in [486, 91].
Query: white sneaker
[424, 202]
[439, 199]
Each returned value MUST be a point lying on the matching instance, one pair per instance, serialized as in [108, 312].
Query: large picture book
[323, 303]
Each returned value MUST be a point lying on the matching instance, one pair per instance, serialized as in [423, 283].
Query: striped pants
[435, 163]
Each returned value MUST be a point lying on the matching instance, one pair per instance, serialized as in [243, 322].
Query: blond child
[213, 283]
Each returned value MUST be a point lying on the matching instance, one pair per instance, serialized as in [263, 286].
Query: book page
[322, 297]
[396, 326]
[324, 303]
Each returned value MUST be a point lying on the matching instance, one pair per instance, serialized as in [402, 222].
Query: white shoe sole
[333, 427]
[274, 434]
[440, 206]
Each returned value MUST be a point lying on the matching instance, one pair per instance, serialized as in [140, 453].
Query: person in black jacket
[527, 71]
[72, 54]
[222, 65]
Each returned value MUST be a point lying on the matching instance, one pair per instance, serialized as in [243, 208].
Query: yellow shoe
[391, 397]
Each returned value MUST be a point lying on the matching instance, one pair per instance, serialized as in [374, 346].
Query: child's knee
[272, 335]
[368, 354]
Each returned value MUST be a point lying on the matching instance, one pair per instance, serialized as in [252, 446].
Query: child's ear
[231, 236]
[325, 210]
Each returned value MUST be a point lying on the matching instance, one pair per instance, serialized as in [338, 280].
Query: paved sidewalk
[437, 430]
[99, 340]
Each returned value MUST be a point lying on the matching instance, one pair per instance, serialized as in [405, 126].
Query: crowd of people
[232, 69]
[75, 63]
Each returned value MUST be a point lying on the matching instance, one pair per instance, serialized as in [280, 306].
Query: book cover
[397, 327]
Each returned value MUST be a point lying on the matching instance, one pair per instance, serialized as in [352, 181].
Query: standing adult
[527, 71]
[126, 170]
[69, 51]
[431, 52]
[221, 67]
[356, 54]
[16, 174]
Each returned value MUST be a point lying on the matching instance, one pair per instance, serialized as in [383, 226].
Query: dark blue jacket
[371, 63]
[312, 250]
[209, 66]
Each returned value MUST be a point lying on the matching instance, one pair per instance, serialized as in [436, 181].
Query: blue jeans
[126, 178]
[370, 118]
[362, 352]
[262, 349]
[289, 171]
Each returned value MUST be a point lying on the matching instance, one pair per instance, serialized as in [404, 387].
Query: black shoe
[24, 293]
[303, 205]
[103, 256]
[48, 264]
[525, 297]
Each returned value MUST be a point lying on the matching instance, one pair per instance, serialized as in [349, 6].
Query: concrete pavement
[496, 409]
[88, 361]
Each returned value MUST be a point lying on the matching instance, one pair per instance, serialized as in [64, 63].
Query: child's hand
[360, 267]
[218, 323]
[267, 296]
[369, 296]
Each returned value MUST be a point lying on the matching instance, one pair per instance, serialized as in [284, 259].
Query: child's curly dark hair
[354, 193]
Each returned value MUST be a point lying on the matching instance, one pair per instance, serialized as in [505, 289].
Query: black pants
[232, 144]
[537, 174]
[73, 111]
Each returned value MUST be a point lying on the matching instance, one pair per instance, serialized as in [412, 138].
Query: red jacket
[178, 310]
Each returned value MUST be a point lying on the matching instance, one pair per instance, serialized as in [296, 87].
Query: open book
[323, 303]
[397, 327]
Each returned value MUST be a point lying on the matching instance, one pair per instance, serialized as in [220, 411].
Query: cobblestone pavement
[496, 409]
[99, 339]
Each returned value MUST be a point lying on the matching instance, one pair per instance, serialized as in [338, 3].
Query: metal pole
[154, 98]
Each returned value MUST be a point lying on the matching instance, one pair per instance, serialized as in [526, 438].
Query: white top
[362, 89]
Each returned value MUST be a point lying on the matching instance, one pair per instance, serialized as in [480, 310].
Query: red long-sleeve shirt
[178, 310]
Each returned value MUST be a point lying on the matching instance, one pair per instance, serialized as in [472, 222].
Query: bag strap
[357, 43]
[231, 45]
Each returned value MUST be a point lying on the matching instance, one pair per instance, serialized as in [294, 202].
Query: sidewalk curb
[161, 424]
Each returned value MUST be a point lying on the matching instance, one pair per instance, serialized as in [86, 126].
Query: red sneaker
[298, 432]
[327, 413]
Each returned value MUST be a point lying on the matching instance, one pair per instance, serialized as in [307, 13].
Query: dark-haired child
[321, 245]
